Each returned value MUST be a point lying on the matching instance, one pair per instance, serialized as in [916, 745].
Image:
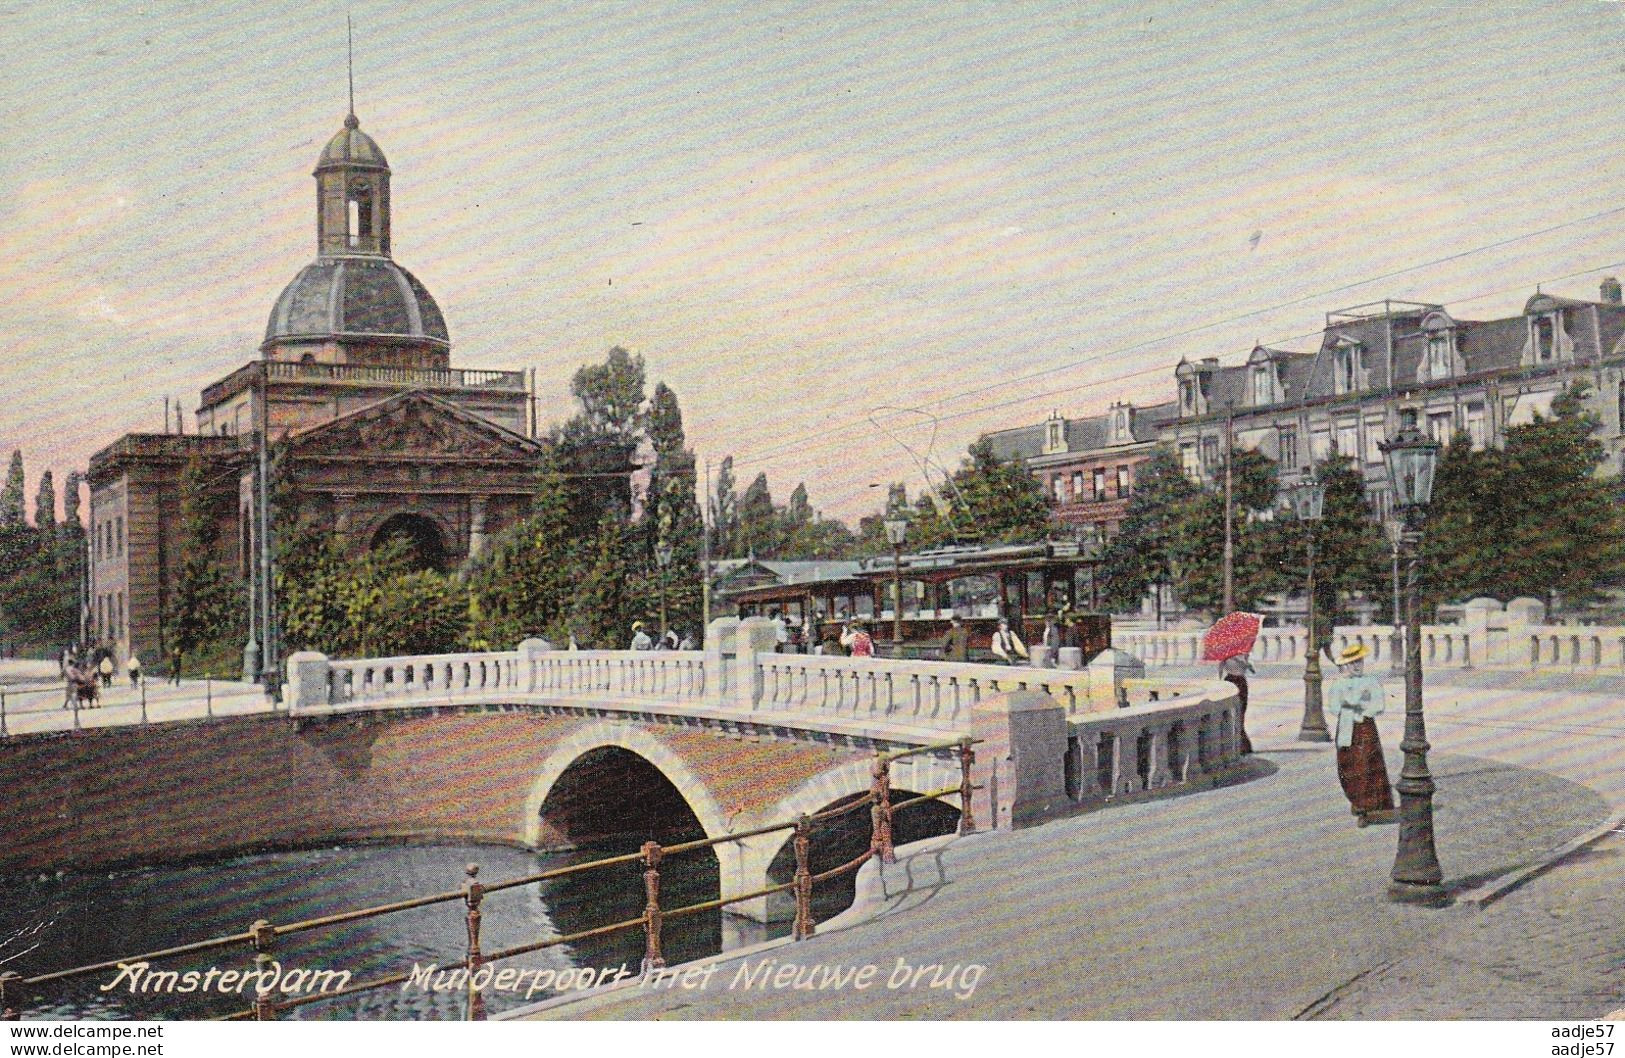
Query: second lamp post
[1308, 499]
[896, 522]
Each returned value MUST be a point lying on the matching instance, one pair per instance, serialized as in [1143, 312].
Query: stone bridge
[547, 748]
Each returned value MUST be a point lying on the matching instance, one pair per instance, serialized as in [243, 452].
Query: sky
[821, 224]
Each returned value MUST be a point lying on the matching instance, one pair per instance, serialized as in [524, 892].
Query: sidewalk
[37, 707]
[1255, 901]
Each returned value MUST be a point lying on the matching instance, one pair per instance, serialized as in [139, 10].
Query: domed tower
[353, 304]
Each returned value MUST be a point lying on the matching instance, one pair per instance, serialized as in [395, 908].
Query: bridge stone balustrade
[1490, 636]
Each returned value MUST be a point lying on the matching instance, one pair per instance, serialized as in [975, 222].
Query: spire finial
[349, 33]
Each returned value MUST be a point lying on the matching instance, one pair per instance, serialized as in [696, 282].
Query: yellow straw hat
[1349, 655]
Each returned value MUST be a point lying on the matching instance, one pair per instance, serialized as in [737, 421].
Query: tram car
[1026, 583]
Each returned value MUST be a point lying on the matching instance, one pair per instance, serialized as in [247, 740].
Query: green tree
[603, 607]
[992, 501]
[1197, 544]
[45, 505]
[611, 395]
[725, 513]
[758, 532]
[12, 496]
[522, 585]
[1140, 558]
[1470, 526]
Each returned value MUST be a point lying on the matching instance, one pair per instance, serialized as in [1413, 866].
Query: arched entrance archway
[426, 548]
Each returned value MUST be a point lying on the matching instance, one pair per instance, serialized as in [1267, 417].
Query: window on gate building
[1123, 483]
[1099, 484]
[1188, 459]
[1474, 425]
[1077, 485]
[1058, 487]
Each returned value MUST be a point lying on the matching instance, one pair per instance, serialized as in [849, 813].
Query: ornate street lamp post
[1412, 458]
[896, 523]
[663, 558]
[1308, 499]
[1396, 650]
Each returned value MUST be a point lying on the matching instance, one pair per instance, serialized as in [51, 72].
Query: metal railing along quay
[263, 935]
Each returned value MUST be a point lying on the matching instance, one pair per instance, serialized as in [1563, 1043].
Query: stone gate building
[377, 433]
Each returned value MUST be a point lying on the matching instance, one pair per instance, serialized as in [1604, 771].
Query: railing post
[880, 812]
[143, 699]
[652, 959]
[208, 695]
[473, 893]
[264, 940]
[2, 714]
[73, 695]
[967, 757]
[804, 926]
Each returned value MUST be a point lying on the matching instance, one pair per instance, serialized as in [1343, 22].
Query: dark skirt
[1241, 710]
[1361, 770]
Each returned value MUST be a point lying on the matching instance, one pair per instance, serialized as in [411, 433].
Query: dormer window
[1263, 384]
[1348, 369]
[1549, 339]
[1054, 436]
[1439, 359]
[1187, 397]
[1439, 355]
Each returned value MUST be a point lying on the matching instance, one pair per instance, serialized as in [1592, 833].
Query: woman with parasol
[1229, 642]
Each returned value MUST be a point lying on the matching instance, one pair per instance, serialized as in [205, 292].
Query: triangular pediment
[411, 426]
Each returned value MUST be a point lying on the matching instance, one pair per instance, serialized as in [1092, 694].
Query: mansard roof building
[1476, 377]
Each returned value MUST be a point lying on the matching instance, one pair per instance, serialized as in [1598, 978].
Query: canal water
[50, 923]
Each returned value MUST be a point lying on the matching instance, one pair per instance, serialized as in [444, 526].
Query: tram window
[864, 606]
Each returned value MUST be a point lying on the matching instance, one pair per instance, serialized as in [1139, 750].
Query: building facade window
[1441, 425]
[1099, 483]
[1058, 488]
[1348, 440]
[1124, 486]
[1210, 454]
[1289, 448]
[1621, 402]
[1375, 435]
[1077, 485]
[1188, 459]
[1187, 397]
[1473, 423]
[118, 535]
[1544, 339]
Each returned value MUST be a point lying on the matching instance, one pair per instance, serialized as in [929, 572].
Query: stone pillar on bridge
[1107, 671]
[721, 644]
[1020, 769]
[731, 646]
[529, 650]
[308, 685]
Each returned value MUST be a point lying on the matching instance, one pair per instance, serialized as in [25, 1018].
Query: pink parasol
[1232, 637]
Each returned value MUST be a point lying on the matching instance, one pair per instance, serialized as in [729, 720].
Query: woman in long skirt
[1358, 699]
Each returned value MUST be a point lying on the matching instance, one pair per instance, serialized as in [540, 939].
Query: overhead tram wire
[1237, 318]
[827, 443]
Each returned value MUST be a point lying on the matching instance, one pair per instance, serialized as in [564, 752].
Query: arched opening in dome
[419, 536]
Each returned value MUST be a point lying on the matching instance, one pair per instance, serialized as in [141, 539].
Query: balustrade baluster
[967, 757]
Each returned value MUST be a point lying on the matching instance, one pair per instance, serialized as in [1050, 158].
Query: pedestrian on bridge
[1234, 671]
[640, 638]
[133, 667]
[106, 670]
[1358, 698]
[1007, 646]
[857, 641]
[956, 644]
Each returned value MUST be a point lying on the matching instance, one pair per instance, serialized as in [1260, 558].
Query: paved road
[1260, 900]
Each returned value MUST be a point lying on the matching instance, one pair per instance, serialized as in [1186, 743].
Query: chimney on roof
[1611, 292]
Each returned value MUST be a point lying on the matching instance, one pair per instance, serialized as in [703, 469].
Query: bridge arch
[629, 738]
